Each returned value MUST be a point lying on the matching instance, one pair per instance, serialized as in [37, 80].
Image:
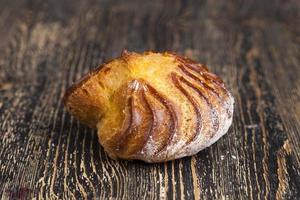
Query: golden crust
[153, 106]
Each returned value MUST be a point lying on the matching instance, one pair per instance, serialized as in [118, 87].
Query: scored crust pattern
[192, 112]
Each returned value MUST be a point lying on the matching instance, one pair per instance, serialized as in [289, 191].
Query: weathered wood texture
[253, 45]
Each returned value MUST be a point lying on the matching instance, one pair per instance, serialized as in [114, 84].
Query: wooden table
[45, 47]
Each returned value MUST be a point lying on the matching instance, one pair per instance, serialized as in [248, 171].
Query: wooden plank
[254, 46]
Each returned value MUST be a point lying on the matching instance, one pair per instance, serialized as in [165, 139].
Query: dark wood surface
[45, 47]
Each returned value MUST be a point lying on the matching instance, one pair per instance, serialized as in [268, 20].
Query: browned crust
[198, 80]
[122, 137]
[125, 53]
[169, 107]
[175, 80]
[160, 135]
[217, 83]
[199, 68]
[151, 127]
[130, 140]
[90, 74]
[187, 61]
[210, 78]
[131, 129]
[80, 82]
[216, 122]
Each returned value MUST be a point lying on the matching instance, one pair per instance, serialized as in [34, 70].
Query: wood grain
[46, 46]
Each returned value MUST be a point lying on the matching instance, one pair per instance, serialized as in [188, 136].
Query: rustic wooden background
[44, 47]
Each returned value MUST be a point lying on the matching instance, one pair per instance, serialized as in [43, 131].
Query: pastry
[153, 107]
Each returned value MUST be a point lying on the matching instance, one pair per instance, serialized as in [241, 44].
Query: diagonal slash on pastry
[153, 107]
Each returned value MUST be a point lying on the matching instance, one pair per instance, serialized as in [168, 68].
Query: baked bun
[153, 107]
